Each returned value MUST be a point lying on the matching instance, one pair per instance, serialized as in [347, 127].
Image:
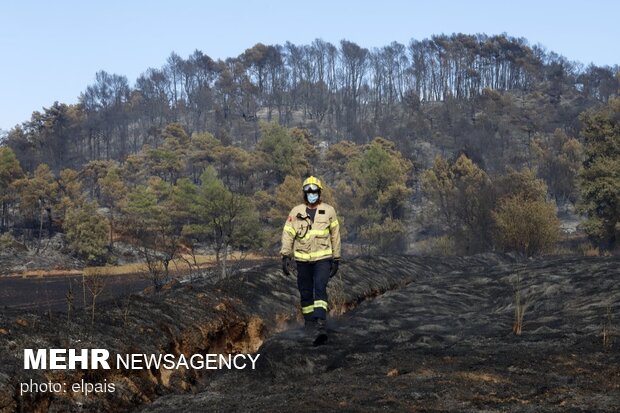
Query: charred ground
[444, 342]
[417, 333]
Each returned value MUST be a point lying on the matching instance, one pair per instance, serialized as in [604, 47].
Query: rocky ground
[417, 334]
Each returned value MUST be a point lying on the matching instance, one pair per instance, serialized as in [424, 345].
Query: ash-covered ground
[444, 342]
[417, 334]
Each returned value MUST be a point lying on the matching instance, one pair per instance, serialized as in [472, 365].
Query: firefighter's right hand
[285, 263]
[334, 268]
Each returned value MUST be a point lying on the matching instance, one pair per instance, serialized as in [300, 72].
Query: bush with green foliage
[376, 200]
[459, 201]
[599, 179]
[86, 232]
[558, 159]
[10, 171]
[216, 216]
[526, 226]
[283, 153]
[509, 212]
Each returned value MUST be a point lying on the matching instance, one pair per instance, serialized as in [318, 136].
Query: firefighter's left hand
[285, 263]
[334, 268]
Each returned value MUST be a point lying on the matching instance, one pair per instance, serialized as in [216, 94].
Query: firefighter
[311, 237]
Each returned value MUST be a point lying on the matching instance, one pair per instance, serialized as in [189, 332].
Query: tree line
[439, 90]
[196, 191]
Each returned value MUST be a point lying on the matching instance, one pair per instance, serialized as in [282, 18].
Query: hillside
[441, 145]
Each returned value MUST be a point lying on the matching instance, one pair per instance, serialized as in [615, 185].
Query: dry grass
[563, 251]
[520, 307]
[517, 326]
[607, 330]
[481, 377]
[337, 297]
[442, 246]
[588, 250]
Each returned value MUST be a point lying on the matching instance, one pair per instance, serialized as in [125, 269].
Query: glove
[285, 263]
[334, 268]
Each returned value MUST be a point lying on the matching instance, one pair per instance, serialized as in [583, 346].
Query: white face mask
[312, 198]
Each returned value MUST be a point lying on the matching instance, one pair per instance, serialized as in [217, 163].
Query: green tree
[438, 185]
[134, 170]
[523, 183]
[283, 154]
[525, 222]
[204, 149]
[113, 195]
[54, 131]
[278, 204]
[378, 196]
[86, 231]
[69, 191]
[183, 197]
[148, 219]
[559, 158]
[166, 162]
[473, 205]
[90, 175]
[599, 179]
[460, 200]
[236, 167]
[37, 196]
[10, 171]
[287, 195]
[175, 131]
[220, 217]
[337, 157]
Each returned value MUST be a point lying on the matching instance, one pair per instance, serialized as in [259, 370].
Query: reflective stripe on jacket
[305, 240]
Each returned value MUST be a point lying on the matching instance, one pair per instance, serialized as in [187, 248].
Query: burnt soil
[417, 334]
[444, 342]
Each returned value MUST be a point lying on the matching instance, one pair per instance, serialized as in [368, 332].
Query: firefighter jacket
[306, 240]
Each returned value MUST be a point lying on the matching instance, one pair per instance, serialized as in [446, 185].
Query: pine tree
[113, 193]
[86, 231]
[10, 171]
[378, 195]
[599, 179]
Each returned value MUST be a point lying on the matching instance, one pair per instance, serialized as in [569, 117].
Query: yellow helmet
[312, 183]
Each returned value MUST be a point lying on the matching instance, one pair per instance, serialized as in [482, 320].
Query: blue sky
[51, 50]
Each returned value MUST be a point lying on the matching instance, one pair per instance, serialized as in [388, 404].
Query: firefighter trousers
[312, 278]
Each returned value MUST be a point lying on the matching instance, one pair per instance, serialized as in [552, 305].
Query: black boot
[321, 332]
[310, 325]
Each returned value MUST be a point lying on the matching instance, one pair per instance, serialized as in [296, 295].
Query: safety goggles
[311, 188]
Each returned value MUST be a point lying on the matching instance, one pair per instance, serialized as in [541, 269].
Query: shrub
[588, 250]
[86, 232]
[443, 246]
[527, 226]
[7, 241]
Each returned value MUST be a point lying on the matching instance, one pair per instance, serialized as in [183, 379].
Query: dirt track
[40, 294]
[45, 290]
